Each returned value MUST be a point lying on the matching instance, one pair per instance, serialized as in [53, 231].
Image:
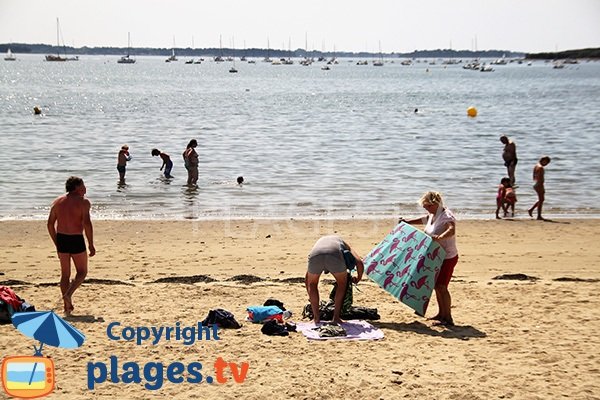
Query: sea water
[309, 143]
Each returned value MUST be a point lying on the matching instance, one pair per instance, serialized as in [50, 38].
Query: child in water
[506, 197]
[167, 163]
[122, 159]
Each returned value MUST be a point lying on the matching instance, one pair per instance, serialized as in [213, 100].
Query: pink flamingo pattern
[421, 264]
[395, 243]
[421, 282]
[389, 280]
[388, 260]
[409, 253]
[406, 271]
[376, 251]
[404, 292]
[398, 229]
[400, 274]
[434, 254]
[410, 236]
[371, 267]
[421, 244]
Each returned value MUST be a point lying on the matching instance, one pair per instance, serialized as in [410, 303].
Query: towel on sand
[355, 330]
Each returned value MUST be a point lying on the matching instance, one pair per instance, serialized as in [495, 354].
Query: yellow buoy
[472, 112]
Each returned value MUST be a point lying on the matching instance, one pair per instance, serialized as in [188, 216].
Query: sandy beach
[521, 339]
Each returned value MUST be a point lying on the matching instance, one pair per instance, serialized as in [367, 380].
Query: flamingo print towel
[406, 265]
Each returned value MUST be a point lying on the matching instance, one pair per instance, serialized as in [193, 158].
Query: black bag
[7, 311]
[359, 312]
[274, 302]
[349, 258]
[273, 328]
[355, 312]
[4, 313]
[222, 318]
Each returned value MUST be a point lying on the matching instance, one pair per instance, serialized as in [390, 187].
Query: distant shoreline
[25, 48]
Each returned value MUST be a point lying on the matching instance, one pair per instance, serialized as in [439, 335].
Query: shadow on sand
[464, 332]
[83, 318]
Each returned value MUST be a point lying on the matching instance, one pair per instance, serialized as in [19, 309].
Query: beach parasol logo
[33, 376]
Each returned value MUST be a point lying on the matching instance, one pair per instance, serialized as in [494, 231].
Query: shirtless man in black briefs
[69, 218]
[509, 154]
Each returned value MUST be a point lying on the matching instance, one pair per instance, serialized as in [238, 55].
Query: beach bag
[5, 313]
[325, 311]
[221, 318]
[262, 313]
[274, 328]
[359, 312]
[349, 258]
[274, 302]
[10, 303]
[355, 312]
[9, 297]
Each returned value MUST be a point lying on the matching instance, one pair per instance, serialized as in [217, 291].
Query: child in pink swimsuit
[506, 197]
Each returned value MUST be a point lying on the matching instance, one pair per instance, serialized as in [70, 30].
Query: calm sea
[308, 142]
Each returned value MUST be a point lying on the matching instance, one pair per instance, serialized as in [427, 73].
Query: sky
[352, 25]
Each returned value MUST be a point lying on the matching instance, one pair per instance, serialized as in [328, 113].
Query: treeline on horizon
[20, 48]
[298, 53]
[581, 53]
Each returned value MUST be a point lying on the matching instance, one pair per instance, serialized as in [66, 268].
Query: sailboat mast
[57, 38]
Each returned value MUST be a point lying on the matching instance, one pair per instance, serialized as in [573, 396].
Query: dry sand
[514, 339]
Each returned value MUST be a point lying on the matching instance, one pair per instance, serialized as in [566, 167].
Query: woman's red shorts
[446, 271]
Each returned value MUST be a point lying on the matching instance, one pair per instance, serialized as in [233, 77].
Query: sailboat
[57, 57]
[191, 60]
[379, 63]
[172, 57]
[289, 60]
[233, 70]
[243, 57]
[307, 60]
[126, 59]
[219, 58]
[9, 56]
[268, 58]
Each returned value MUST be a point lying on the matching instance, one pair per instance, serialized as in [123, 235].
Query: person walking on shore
[69, 218]
[509, 154]
[190, 160]
[440, 224]
[538, 186]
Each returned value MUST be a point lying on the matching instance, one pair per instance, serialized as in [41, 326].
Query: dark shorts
[71, 244]
[446, 271]
[509, 163]
[168, 168]
[121, 168]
